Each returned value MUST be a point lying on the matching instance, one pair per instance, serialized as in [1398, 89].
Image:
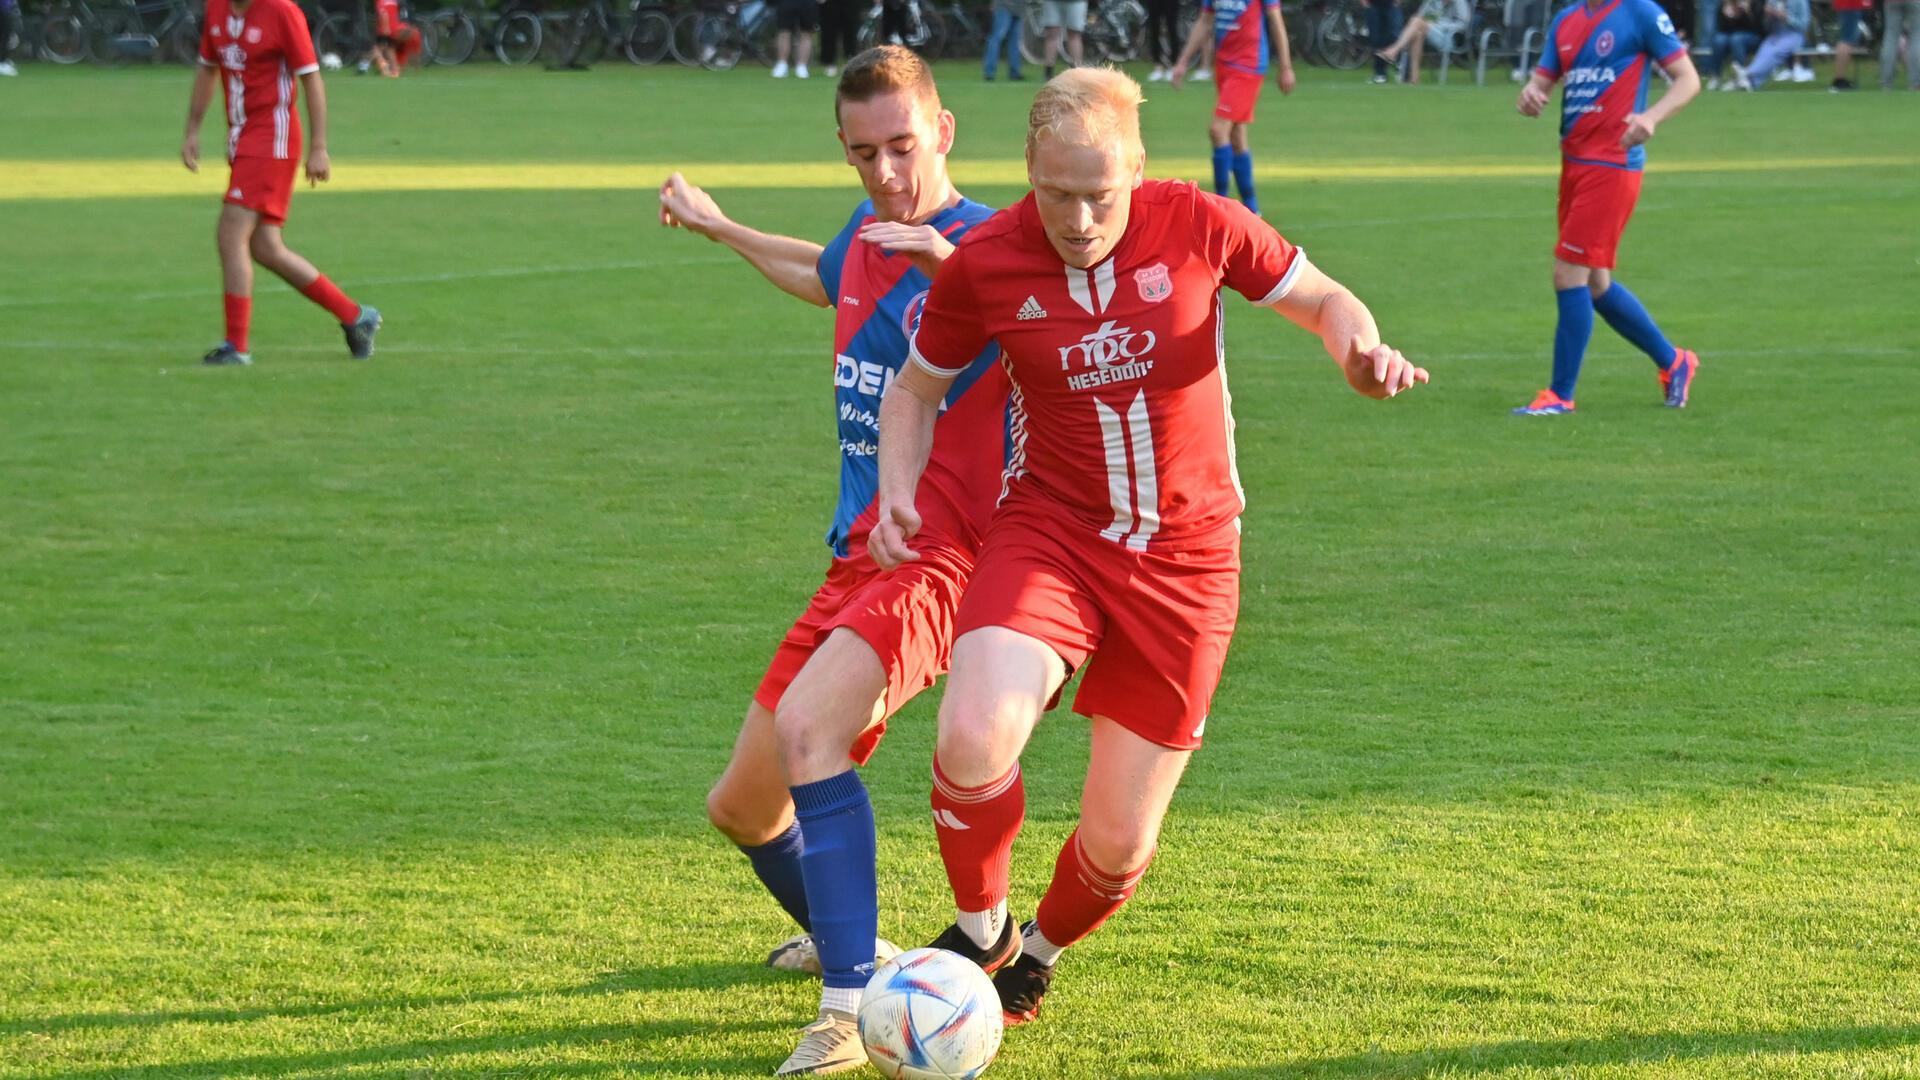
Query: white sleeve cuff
[914, 357]
[1287, 279]
[308, 70]
[204, 62]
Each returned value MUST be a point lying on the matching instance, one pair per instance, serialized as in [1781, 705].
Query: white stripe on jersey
[1226, 404]
[1119, 487]
[1077, 288]
[1017, 436]
[1146, 480]
[1103, 282]
[283, 113]
[1287, 279]
[236, 112]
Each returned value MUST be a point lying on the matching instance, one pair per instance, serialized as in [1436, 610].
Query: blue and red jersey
[1240, 38]
[877, 299]
[1601, 50]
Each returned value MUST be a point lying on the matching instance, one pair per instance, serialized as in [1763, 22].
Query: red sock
[1081, 895]
[239, 315]
[328, 295]
[976, 827]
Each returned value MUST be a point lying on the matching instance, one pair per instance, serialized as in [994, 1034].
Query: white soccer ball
[330, 61]
[929, 1014]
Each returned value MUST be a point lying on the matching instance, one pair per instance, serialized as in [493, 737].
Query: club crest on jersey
[910, 315]
[253, 35]
[1154, 282]
[1603, 45]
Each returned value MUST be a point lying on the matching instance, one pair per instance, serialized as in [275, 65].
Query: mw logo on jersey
[1110, 354]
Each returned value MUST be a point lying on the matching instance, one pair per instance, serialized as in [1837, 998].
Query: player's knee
[1116, 848]
[806, 736]
[739, 817]
[972, 738]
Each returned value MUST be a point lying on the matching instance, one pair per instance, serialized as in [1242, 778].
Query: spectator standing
[794, 22]
[1064, 19]
[1163, 36]
[1006, 31]
[1853, 17]
[1902, 16]
[1787, 22]
[839, 27]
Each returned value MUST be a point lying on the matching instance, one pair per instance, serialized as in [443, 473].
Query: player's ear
[947, 128]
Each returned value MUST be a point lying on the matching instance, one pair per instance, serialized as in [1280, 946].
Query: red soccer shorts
[1595, 203]
[1150, 628]
[1235, 93]
[264, 185]
[906, 616]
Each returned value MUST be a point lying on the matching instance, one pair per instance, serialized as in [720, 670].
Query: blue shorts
[1851, 23]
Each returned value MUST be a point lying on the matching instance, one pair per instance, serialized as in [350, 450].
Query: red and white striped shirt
[1122, 424]
[260, 52]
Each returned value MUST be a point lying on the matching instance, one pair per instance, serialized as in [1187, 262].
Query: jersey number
[1133, 486]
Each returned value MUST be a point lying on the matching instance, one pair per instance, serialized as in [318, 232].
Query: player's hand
[1380, 372]
[1286, 79]
[190, 152]
[319, 166]
[1532, 100]
[1177, 76]
[684, 206]
[921, 243]
[887, 543]
[1639, 130]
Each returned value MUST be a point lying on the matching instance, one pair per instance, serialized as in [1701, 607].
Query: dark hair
[885, 69]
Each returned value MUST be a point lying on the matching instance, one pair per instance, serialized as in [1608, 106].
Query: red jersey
[1122, 421]
[260, 52]
[386, 17]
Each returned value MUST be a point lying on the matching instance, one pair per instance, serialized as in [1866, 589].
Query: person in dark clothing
[1163, 36]
[839, 27]
[1384, 22]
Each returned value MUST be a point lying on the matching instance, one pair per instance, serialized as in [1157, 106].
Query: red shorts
[1150, 628]
[1235, 93]
[906, 616]
[1595, 203]
[264, 185]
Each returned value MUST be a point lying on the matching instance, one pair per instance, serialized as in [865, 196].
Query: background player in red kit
[395, 41]
[1115, 549]
[261, 53]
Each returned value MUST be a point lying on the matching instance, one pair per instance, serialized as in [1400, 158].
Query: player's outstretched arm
[319, 165]
[907, 416]
[1686, 85]
[1196, 40]
[197, 101]
[1347, 331]
[789, 263]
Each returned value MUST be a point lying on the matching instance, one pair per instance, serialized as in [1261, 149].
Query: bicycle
[1116, 31]
[923, 30]
[451, 33]
[722, 37]
[650, 37]
[518, 35]
[966, 34]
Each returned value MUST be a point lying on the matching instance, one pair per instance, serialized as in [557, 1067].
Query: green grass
[355, 719]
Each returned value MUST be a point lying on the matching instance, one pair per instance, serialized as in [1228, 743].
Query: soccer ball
[929, 1014]
[330, 61]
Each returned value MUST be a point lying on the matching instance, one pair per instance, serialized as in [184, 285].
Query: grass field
[355, 719]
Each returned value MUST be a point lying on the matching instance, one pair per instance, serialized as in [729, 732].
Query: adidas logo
[1030, 310]
[945, 819]
[234, 194]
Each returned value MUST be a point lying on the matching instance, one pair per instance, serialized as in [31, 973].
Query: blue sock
[842, 887]
[1570, 338]
[1243, 178]
[1222, 162]
[1628, 317]
[778, 863]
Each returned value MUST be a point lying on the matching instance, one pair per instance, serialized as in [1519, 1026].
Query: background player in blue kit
[1601, 49]
[869, 641]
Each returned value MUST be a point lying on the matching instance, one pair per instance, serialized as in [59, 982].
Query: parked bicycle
[723, 37]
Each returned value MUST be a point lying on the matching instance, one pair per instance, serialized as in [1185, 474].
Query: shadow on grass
[705, 976]
[1567, 1053]
[621, 1045]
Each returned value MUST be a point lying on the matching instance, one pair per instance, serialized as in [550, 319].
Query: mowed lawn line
[25, 180]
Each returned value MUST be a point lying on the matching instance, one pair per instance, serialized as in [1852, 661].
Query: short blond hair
[1091, 105]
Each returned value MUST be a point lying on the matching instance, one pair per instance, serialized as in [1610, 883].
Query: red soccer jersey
[386, 15]
[260, 52]
[1122, 420]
